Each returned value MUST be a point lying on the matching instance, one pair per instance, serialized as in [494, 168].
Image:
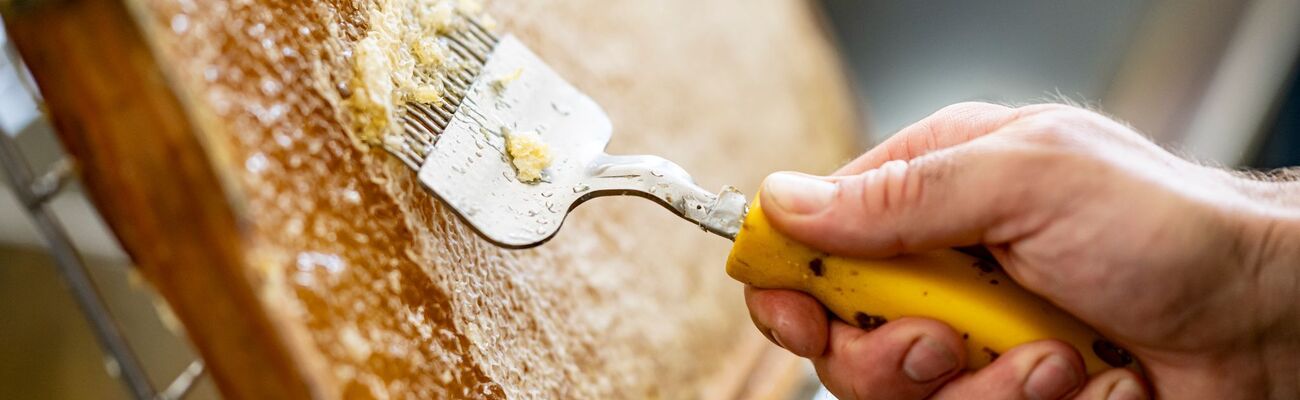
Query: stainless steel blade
[469, 167]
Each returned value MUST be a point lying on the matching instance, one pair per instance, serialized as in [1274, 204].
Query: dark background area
[1281, 144]
[1172, 68]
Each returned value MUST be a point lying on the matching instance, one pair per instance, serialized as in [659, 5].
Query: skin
[1194, 269]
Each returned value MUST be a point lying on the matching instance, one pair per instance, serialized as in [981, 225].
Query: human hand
[1195, 270]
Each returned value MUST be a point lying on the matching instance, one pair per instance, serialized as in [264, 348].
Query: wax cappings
[382, 292]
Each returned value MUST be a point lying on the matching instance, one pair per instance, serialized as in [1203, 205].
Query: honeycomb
[383, 293]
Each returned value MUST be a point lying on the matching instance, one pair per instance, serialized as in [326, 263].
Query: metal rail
[35, 192]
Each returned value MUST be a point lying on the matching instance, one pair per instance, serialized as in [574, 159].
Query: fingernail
[927, 360]
[1127, 389]
[798, 194]
[776, 337]
[1052, 378]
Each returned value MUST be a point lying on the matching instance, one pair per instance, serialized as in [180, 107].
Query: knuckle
[962, 119]
[896, 186]
[1055, 130]
[915, 145]
[887, 194]
[1042, 348]
[1064, 128]
[967, 108]
[927, 326]
[927, 172]
[1049, 108]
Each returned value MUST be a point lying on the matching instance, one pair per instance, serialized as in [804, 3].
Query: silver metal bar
[45, 187]
[184, 382]
[69, 263]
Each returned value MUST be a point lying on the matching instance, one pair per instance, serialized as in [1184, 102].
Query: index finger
[950, 126]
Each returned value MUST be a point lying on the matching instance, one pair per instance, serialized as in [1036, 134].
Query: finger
[1043, 370]
[1116, 384]
[975, 193]
[904, 359]
[951, 125]
[791, 319]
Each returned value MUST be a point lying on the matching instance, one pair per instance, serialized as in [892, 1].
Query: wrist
[1277, 276]
[1278, 188]
[1272, 244]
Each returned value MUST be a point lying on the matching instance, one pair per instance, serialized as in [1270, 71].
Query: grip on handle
[972, 295]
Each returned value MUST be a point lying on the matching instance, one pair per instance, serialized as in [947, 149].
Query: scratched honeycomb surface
[383, 293]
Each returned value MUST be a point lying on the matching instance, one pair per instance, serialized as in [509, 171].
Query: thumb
[958, 196]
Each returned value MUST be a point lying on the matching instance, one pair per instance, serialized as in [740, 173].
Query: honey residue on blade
[401, 60]
[529, 154]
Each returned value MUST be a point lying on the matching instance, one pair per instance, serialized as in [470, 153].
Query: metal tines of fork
[470, 45]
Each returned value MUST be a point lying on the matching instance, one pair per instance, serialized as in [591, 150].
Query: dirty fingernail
[1126, 389]
[776, 337]
[1052, 378]
[928, 360]
[797, 193]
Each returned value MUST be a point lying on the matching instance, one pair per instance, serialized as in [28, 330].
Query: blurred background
[1215, 80]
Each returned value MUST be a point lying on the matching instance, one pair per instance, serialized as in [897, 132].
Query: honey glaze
[378, 287]
[379, 291]
[331, 245]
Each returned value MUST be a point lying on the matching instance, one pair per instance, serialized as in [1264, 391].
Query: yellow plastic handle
[972, 295]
